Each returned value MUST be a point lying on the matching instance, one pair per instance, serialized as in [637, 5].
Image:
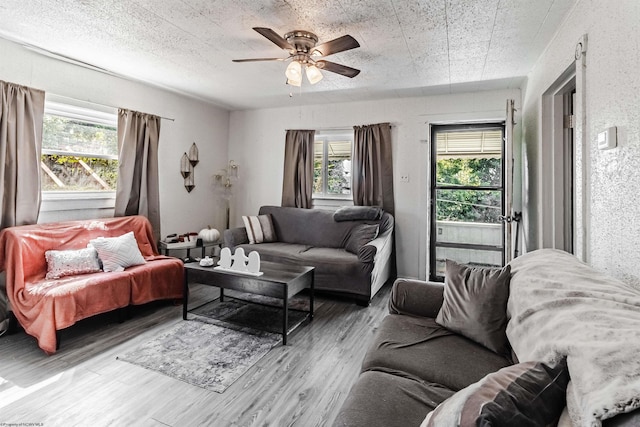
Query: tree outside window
[78, 153]
[332, 166]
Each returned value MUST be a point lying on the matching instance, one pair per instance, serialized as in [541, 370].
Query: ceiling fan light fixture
[294, 71]
[313, 74]
[296, 83]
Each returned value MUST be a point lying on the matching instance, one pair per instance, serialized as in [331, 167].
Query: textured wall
[195, 121]
[612, 99]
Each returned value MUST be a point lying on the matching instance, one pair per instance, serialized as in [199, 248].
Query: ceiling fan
[304, 51]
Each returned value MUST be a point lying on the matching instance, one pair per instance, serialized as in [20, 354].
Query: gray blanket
[559, 306]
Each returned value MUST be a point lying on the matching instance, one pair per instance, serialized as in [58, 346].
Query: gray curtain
[138, 191]
[372, 168]
[21, 114]
[297, 182]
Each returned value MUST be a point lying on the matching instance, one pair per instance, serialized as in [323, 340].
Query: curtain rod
[109, 106]
[339, 127]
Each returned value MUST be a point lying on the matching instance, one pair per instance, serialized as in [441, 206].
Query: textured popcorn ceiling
[407, 47]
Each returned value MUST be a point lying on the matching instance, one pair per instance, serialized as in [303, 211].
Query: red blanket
[43, 306]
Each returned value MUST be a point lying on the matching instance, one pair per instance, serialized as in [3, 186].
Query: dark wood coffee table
[278, 281]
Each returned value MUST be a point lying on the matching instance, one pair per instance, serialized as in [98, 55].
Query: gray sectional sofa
[313, 237]
[558, 309]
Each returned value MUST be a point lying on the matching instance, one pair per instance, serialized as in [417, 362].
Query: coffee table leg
[311, 298]
[285, 315]
[185, 294]
[221, 294]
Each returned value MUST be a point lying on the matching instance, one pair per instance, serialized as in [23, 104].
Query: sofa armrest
[416, 297]
[234, 237]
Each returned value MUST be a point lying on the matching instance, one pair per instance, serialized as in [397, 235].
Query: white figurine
[225, 258]
[254, 262]
[239, 260]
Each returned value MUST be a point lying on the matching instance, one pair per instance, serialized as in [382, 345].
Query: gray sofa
[414, 364]
[312, 237]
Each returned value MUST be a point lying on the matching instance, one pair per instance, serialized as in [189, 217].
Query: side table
[164, 248]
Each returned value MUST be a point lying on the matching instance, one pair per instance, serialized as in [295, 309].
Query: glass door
[467, 196]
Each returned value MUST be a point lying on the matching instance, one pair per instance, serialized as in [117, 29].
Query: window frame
[88, 113]
[434, 187]
[327, 137]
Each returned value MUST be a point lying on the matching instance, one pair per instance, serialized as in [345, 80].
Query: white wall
[256, 143]
[195, 121]
[612, 99]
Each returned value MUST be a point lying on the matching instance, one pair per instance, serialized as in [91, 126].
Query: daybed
[562, 315]
[43, 306]
[344, 262]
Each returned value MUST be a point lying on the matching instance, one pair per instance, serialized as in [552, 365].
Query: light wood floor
[301, 384]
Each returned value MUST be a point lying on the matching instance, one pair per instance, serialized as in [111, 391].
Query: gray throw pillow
[475, 304]
[529, 394]
[361, 235]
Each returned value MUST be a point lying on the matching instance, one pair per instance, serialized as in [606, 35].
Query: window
[332, 164]
[79, 149]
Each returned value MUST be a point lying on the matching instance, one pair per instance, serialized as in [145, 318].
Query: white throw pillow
[118, 253]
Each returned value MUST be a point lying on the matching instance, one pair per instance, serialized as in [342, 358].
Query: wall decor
[187, 164]
[223, 183]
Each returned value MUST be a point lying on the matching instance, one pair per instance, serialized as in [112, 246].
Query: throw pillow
[361, 235]
[475, 304]
[528, 394]
[118, 253]
[71, 262]
[259, 228]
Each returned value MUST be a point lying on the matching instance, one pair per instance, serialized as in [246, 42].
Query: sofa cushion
[421, 347]
[354, 213]
[475, 304]
[277, 251]
[259, 228]
[360, 236]
[530, 394]
[403, 400]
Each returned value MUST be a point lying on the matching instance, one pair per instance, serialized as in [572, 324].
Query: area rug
[221, 340]
[203, 354]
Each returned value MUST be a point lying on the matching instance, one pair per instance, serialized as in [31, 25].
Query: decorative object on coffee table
[239, 263]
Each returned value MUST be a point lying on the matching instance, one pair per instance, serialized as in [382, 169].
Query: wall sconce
[193, 155]
[222, 179]
[222, 182]
[187, 164]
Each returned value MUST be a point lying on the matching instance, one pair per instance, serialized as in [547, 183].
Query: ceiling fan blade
[337, 45]
[259, 59]
[275, 38]
[337, 68]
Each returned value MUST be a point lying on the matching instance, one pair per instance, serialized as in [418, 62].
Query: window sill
[348, 197]
[53, 201]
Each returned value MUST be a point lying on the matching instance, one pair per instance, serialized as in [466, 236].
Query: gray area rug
[203, 354]
[220, 341]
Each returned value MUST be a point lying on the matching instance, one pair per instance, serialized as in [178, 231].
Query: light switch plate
[608, 139]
